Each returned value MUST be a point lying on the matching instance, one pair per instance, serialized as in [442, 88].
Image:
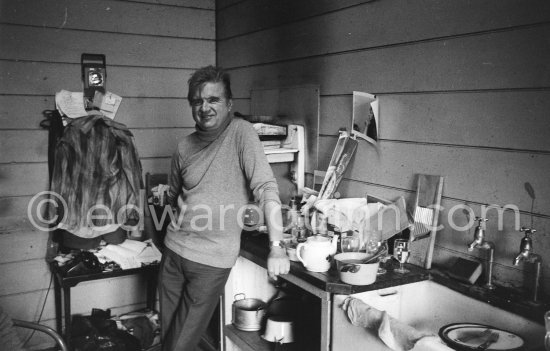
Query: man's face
[210, 107]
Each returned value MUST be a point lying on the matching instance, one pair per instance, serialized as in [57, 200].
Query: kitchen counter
[255, 247]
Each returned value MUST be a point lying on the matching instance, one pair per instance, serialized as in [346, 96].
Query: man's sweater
[213, 181]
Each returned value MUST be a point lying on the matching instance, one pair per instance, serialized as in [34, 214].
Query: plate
[468, 336]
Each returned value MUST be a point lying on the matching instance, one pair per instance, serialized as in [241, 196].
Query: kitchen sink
[427, 306]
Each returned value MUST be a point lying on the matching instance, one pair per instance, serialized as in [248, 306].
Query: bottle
[292, 217]
[299, 232]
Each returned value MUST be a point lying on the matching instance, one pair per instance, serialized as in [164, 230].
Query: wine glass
[401, 254]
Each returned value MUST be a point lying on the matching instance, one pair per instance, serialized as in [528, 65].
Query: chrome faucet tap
[488, 246]
[526, 255]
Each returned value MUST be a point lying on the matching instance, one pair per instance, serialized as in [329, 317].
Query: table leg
[326, 320]
[67, 310]
[58, 309]
[151, 289]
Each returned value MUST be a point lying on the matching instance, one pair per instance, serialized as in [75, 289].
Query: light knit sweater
[213, 181]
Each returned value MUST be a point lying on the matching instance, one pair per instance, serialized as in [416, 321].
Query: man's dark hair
[209, 74]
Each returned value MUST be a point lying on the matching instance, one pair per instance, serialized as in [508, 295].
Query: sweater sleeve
[257, 170]
[174, 180]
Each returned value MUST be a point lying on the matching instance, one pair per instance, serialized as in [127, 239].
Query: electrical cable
[42, 311]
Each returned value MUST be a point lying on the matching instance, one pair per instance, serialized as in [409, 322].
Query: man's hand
[277, 262]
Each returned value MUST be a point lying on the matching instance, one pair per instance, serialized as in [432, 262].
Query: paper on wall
[365, 119]
[107, 103]
[70, 104]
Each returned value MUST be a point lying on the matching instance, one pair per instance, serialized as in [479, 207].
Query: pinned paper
[365, 116]
[70, 104]
[107, 103]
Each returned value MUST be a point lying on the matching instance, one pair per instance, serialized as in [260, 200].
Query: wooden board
[38, 78]
[32, 43]
[116, 16]
[496, 60]
[343, 30]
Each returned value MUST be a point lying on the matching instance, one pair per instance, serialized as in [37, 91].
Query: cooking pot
[352, 268]
[248, 313]
[279, 330]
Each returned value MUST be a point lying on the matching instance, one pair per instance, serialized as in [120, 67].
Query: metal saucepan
[248, 313]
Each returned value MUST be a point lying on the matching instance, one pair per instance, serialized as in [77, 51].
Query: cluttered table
[65, 279]
[255, 247]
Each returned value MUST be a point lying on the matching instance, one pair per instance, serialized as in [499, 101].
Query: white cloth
[340, 212]
[396, 335]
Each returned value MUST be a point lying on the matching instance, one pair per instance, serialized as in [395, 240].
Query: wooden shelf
[252, 341]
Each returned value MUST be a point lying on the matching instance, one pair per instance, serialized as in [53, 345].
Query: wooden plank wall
[463, 89]
[151, 46]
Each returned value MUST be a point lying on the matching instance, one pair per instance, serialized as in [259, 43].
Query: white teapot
[316, 253]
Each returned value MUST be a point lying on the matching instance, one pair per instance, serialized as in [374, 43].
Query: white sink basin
[428, 306]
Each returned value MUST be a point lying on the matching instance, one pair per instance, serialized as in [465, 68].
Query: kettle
[316, 253]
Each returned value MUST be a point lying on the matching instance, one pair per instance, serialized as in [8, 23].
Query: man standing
[214, 171]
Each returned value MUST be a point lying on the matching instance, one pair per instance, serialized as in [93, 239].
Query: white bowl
[352, 271]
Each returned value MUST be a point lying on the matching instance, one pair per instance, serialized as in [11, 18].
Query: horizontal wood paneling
[37, 78]
[338, 31]
[151, 48]
[42, 44]
[25, 112]
[149, 143]
[23, 276]
[159, 142]
[454, 118]
[203, 4]
[234, 17]
[14, 206]
[14, 142]
[501, 60]
[22, 243]
[111, 16]
[23, 178]
[471, 174]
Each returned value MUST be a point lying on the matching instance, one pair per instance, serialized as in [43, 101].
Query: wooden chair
[425, 218]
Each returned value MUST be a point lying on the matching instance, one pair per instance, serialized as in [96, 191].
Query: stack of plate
[470, 336]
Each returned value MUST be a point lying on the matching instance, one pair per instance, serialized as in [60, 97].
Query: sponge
[465, 270]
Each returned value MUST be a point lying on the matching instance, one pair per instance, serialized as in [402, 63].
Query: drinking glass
[374, 243]
[350, 243]
[401, 254]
